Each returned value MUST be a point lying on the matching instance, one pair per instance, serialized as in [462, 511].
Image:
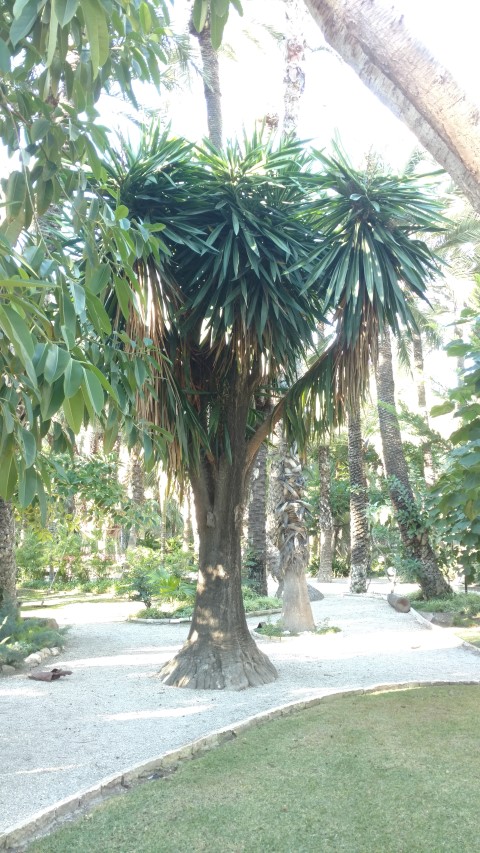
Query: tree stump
[398, 602]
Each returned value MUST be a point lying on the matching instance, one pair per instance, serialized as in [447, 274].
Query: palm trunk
[188, 533]
[292, 541]
[8, 566]
[294, 77]
[276, 456]
[325, 519]
[257, 534]
[372, 37]
[220, 652]
[428, 466]
[136, 476]
[286, 481]
[412, 530]
[359, 532]
[211, 84]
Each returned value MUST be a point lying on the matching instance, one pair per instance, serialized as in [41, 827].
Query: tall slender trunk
[291, 530]
[257, 534]
[188, 533]
[211, 84]
[458, 333]
[136, 478]
[359, 531]
[294, 74]
[276, 455]
[8, 566]
[428, 466]
[220, 652]
[413, 532]
[325, 519]
[373, 37]
[292, 540]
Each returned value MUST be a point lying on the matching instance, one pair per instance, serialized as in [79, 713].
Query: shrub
[20, 637]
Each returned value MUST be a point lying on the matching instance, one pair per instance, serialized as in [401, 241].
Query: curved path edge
[47, 820]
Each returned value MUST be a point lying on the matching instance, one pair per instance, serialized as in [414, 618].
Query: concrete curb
[427, 624]
[43, 822]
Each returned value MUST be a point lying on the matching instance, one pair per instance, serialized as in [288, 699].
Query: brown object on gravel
[53, 675]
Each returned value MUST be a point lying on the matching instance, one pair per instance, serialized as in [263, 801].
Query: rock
[426, 615]
[398, 602]
[443, 619]
[7, 669]
[45, 653]
[33, 659]
[54, 651]
[45, 623]
[313, 593]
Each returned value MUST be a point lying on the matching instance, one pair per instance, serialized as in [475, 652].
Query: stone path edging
[51, 818]
[427, 624]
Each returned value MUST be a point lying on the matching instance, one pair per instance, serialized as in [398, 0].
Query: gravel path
[57, 738]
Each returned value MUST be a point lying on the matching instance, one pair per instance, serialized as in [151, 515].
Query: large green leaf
[56, 363]
[95, 17]
[74, 410]
[25, 13]
[65, 10]
[94, 391]
[74, 377]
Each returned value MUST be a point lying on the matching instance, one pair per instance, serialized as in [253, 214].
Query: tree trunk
[292, 541]
[136, 481]
[428, 466]
[294, 76]
[372, 37]
[8, 566]
[257, 534]
[211, 84]
[220, 652]
[359, 532]
[188, 533]
[412, 530]
[325, 520]
[276, 455]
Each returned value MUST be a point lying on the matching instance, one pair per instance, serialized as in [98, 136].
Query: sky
[335, 100]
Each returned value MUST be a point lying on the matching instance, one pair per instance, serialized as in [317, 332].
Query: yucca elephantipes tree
[378, 220]
[240, 282]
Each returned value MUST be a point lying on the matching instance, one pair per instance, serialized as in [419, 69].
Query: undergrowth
[176, 609]
[20, 637]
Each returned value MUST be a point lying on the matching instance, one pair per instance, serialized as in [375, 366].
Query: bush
[458, 602]
[20, 637]
[146, 577]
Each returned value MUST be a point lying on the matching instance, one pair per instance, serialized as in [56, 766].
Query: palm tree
[249, 260]
[413, 530]
[377, 219]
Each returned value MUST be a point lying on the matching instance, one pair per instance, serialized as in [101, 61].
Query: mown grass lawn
[393, 772]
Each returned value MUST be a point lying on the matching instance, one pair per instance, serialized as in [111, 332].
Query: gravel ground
[57, 738]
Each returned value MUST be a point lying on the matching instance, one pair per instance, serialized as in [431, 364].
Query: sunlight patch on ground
[20, 691]
[158, 713]
[147, 659]
[60, 769]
